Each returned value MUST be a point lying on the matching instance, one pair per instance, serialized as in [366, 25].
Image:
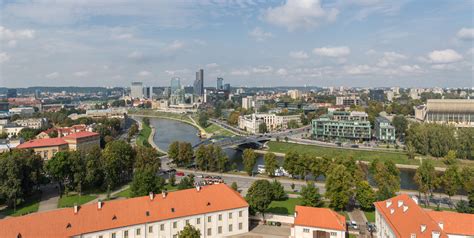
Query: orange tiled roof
[46, 142]
[408, 218]
[81, 134]
[319, 217]
[454, 223]
[127, 212]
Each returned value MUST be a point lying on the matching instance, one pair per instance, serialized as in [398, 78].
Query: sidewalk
[49, 198]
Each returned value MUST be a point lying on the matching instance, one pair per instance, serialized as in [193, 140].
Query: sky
[353, 43]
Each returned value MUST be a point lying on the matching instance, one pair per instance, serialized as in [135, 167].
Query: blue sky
[422, 43]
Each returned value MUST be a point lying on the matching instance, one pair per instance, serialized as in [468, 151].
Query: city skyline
[357, 43]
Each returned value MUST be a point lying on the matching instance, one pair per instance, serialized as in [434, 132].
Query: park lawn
[70, 200]
[127, 193]
[217, 130]
[370, 216]
[285, 207]
[142, 138]
[29, 206]
[151, 112]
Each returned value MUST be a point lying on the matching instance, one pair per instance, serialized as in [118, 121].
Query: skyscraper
[136, 90]
[175, 84]
[199, 83]
[219, 85]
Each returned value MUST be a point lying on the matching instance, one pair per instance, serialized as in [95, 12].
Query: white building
[216, 210]
[274, 122]
[294, 94]
[401, 217]
[34, 123]
[248, 102]
[318, 222]
[11, 129]
[136, 90]
[22, 111]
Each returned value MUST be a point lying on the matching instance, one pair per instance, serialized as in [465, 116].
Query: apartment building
[383, 130]
[216, 210]
[402, 217]
[342, 125]
[274, 122]
[348, 101]
[34, 123]
[313, 222]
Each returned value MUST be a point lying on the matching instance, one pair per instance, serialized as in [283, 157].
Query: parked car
[353, 224]
[171, 171]
[179, 174]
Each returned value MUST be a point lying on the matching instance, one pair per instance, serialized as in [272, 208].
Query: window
[209, 231]
[125, 234]
[305, 230]
[101, 236]
[230, 228]
[333, 234]
[175, 224]
[198, 221]
[209, 219]
[240, 213]
[187, 221]
[230, 215]
[175, 236]
[114, 235]
[150, 229]
[162, 227]
[219, 230]
[240, 226]
[220, 217]
[138, 231]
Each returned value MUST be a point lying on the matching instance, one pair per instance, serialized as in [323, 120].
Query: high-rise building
[219, 85]
[11, 93]
[175, 84]
[226, 87]
[199, 83]
[136, 90]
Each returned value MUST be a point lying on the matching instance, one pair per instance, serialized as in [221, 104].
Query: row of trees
[181, 153]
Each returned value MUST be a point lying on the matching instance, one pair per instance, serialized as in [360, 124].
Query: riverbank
[186, 119]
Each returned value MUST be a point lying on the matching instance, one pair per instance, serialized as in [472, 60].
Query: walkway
[103, 197]
[49, 198]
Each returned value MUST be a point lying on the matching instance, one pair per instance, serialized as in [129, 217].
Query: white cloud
[295, 14]
[4, 57]
[390, 58]
[358, 69]
[260, 35]
[11, 43]
[212, 65]
[52, 75]
[136, 55]
[262, 69]
[340, 51]
[444, 56]
[466, 34]
[124, 36]
[410, 68]
[144, 73]
[240, 72]
[299, 55]
[8, 34]
[81, 73]
[371, 52]
[282, 71]
[175, 45]
[176, 72]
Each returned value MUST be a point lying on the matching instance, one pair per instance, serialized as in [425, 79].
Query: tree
[450, 158]
[201, 157]
[271, 163]
[401, 124]
[465, 143]
[59, 168]
[185, 154]
[146, 121]
[410, 151]
[290, 162]
[186, 182]
[234, 186]
[365, 195]
[278, 191]
[147, 157]
[233, 118]
[467, 179]
[173, 151]
[387, 178]
[28, 133]
[262, 128]
[119, 158]
[451, 180]
[203, 118]
[250, 158]
[221, 159]
[172, 180]
[339, 186]
[462, 206]
[310, 196]
[259, 196]
[426, 179]
[189, 231]
[94, 167]
[146, 180]
[78, 170]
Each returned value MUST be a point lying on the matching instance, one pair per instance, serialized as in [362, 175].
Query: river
[168, 131]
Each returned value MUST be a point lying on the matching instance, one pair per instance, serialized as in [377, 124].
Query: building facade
[34, 123]
[312, 222]
[199, 83]
[136, 90]
[457, 112]
[348, 101]
[342, 125]
[251, 123]
[216, 210]
[383, 130]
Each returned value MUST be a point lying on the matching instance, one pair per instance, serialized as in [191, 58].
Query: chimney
[405, 208]
[441, 225]
[99, 204]
[415, 199]
[400, 203]
[423, 228]
[151, 196]
[198, 188]
[389, 203]
[296, 214]
[435, 234]
[76, 208]
[392, 211]
[163, 193]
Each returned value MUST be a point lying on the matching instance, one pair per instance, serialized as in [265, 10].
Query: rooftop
[450, 105]
[454, 223]
[81, 134]
[46, 142]
[113, 214]
[319, 217]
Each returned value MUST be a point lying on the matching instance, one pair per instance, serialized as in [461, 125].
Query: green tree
[28, 133]
[59, 168]
[146, 180]
[147, 157]
[201, 157]
[262, 128]
[146, 121]
[451, 180]
[290, 162]
[221, 159]
[172, 180]
[271, 163]
[465, 143]
[203, 118]
[233, 118]
[278, 191]
[387, 178]
[365, 195]
[189, 231]
[401, 124]
[426, 179]
[185, 154]
[173, 151]
[94, 167]
[339, 186]
[259, 196]
[234, 186]
[78, 170]
[310, 196]
[119, 158]
[250, 158]
[186, 182]
[467, 179]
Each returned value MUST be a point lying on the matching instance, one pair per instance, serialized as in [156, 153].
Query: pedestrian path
[49, 198]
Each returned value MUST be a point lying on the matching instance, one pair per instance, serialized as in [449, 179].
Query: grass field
[69, 201]
[217, 130]
[150, 112]
[370, 216]
[285, 207]
[142, 138]
[29, 206]
[127, 193]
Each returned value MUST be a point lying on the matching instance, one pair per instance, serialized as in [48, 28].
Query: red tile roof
[454, 223]
[81, 134]
[46, 142]
[319, 217]
[127, 212]
[407, 218]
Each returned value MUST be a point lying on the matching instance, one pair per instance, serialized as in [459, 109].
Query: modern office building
[348, 101]
[4, 107]
[401, 217]
[457, 112]
[342, 125]
[317, 222]
[136, 90]
[199, 83]
[220, 83]
[377, 95]
[12, 93]
[383, 130]
[216, 210]
[175, 84]
[226, 87]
